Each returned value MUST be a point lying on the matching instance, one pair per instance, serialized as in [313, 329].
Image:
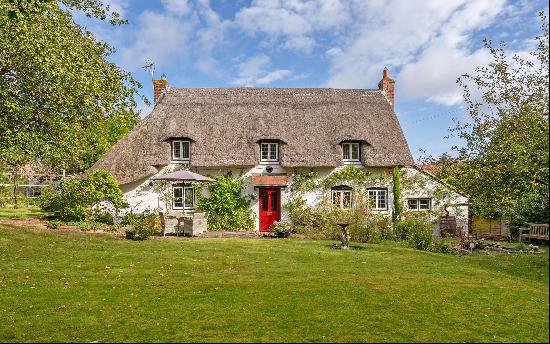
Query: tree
[62, 103]
[504, 161]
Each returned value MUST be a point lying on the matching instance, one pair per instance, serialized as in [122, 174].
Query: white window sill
[352, 162]
[265, 162]
[180, 161]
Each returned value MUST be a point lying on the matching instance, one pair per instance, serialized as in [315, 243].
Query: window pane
[265, 151]
[274, 201]
[424, 204]
[177, 149]
[263, 200]
[185, 150]
[189, 197]
[413, 204]
[346, 150]
[336, 198]
[355, 151]
[178, 197]
[273, 151]
[346, 199]
[381, 199]
[372, 198]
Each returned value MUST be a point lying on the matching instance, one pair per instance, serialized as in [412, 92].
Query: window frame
[350, 144]
[377, 192]
[181, 143]
[341, 190]
[418, 201]
[183, 189]
[269, 151]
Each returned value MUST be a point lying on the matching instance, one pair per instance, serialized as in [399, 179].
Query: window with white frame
[350, 151]
[269, 151]
[183, 197]
[342, 196]
[419, 204]
[378, 198]
[181, 150]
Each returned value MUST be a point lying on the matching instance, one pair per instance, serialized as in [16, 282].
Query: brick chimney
[159, 86]
[387, 85]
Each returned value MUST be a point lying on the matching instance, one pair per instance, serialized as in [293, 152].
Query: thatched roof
[225, 125]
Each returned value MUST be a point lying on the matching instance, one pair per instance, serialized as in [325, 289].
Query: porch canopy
[184, 175]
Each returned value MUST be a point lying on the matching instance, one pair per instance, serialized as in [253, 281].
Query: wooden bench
[535, 231]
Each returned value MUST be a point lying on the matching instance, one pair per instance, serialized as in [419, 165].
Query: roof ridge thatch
[226, 124]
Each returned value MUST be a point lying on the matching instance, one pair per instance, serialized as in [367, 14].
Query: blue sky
[324, 43]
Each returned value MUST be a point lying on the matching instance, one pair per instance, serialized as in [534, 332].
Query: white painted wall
[444, 199]
[142, 196]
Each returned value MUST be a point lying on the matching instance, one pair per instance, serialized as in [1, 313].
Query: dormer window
[269, 152]
[181, 150]
[351, 152]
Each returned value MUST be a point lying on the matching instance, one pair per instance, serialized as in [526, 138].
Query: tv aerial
[150, 66]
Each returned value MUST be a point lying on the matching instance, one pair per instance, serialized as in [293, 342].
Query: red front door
[270, 207]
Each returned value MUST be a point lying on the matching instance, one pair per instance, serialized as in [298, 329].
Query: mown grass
[11, 213]
[67, 286]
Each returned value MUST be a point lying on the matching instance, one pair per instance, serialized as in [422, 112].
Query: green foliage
[369, 228]
[62, 102]
[321, 222]
[348, 174]
[141, 226]
[54, 223]
[227, 208]
[505, 158]
[397, 209]
[280, 226]
[78, 199]
[441, 246]
[304, 181]
[417, 232]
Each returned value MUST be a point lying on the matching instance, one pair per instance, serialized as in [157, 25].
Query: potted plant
[280, 228]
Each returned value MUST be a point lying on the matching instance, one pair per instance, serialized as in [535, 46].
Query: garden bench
[535, 231]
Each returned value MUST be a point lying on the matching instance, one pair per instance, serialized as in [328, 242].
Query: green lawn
[9, 213]
[67, 286]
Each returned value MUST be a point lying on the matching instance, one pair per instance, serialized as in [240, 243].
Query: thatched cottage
[266, 135]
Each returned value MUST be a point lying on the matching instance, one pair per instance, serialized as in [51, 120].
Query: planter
[284, 234]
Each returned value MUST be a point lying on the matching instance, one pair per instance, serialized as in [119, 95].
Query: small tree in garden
[504, 163]
[62, 102]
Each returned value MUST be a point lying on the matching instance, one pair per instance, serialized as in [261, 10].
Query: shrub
[369, 227]
[441, 246]
[77, 199]
[141, 227]
[54, 223]
[417, 232]
[227, 208]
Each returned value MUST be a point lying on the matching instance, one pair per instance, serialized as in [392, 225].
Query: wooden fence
[490, 227]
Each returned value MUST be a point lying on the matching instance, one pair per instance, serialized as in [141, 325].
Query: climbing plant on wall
[227, 208]
[396, 174]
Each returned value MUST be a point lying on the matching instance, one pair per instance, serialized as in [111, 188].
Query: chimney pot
[159, 86]
[387, 85]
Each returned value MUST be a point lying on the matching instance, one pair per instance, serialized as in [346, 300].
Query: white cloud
[118, 6]
[160, 37]
[178, 7]
[254, 71]
[294, 21]
[428, 40]
[300, 43]
[273, 76]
